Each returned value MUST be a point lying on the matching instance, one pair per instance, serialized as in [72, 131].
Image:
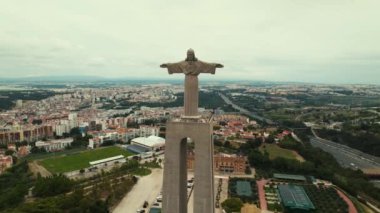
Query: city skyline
[291, 41]
[214, 106]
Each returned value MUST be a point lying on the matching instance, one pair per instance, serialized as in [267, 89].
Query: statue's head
[191, 55]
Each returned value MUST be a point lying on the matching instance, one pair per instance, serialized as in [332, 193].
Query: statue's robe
[191, 69]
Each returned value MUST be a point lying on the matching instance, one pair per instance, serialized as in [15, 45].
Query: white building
[54, 145]
[108, 161]
[61, 129]
[152, 142]
[145, 131]
[19, 103]
[91, 144]
[73, 120]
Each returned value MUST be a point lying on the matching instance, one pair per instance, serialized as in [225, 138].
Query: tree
[75, 131]
[217, 127]
[9, 152]
[250, 145]
[270, 139]
[227, 144]
[14, 184]
[258, 159]
[232, 205]
[250, 127]
[37, 150]
[218, 142]
[53, 185]
[108, 143]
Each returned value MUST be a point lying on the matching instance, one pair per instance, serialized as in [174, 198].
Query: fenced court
[243, 188]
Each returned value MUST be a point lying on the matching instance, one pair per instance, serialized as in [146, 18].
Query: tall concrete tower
[199, 129]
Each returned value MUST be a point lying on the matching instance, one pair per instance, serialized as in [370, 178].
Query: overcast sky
[330, 41]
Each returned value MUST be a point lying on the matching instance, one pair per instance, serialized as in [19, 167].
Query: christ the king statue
[191, 67]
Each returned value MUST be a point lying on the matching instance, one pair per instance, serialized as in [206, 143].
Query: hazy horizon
[164, 79]
[331, 42]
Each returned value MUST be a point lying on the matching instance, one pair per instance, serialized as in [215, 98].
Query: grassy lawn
[80, 160]
[276, 151]
[141, 171]
[39, 156]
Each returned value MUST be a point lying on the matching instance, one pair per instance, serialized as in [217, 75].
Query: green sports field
[275, 151]
[80, 160]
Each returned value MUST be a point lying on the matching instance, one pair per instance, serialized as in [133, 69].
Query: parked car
[145, 204]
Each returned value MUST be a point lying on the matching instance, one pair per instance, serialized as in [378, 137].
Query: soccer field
[80, 160]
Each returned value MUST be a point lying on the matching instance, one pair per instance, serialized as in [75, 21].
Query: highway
[346, 156]
[244, 111]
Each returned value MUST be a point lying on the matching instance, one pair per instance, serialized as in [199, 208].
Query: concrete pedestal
[191, 95]
[175, 171]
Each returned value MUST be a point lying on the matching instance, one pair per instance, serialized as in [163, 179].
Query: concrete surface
[175, 172]
[146, 189]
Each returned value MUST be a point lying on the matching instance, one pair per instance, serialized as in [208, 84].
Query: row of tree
[58, 193]
[14, 185]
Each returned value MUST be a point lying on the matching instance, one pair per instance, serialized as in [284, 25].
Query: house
[54, 145]
[5, 162]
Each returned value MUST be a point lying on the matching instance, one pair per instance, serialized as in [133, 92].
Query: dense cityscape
[172, 106]
[98, 147]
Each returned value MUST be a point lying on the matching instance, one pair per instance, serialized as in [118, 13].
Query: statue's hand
[163, 65]
[219, 66]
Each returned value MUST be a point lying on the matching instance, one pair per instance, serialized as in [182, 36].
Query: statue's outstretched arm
[172, 67]
[210, 67]
[219, 65]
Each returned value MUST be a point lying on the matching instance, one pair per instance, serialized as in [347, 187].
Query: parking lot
[146, 189]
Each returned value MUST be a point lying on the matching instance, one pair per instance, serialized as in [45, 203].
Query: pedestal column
[175, 171]
[191, 95]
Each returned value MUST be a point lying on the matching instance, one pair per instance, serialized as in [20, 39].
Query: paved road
[351, 206]
[346, 156]
[244, 111]
[146, 189]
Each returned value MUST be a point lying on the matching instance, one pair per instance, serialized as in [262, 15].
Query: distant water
[13, 87]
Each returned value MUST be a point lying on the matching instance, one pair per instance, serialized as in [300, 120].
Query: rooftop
[106, 160]
[289, 177]
[150, 141]
[137, 149]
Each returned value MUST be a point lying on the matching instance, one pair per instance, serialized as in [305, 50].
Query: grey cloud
[262, 40]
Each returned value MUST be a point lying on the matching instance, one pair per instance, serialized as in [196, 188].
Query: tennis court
[243, 188]
[295, 197]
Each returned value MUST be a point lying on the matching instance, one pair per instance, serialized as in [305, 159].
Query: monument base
[195, 118]
[175, 169]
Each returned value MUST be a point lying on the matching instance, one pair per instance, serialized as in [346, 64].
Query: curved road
[244, 111]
